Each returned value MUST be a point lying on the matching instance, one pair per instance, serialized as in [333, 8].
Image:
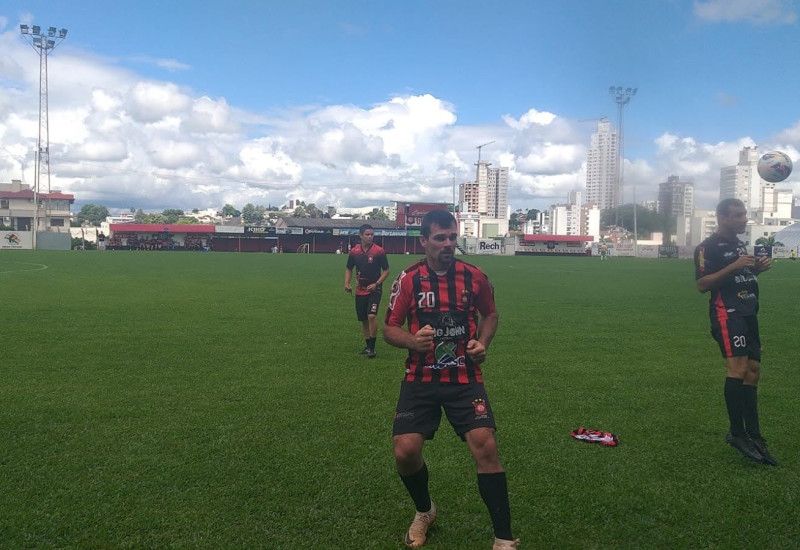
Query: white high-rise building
[487, 197]
[741, 181]
[602, 168]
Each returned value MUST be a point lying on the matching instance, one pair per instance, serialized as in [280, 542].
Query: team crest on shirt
[481, 410]
[369, 259]
[465, 296]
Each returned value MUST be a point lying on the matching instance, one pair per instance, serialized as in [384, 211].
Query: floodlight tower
[43, 42]
[623, 96]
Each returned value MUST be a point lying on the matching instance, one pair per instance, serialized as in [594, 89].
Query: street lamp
[43, 42]
[623, 96]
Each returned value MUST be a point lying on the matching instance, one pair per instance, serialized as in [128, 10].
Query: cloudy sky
[178, 104]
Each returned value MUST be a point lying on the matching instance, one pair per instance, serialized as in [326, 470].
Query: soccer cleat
[417, 533]
[364, 351]
[371, 354]
[503, 544]
[745, 446]
[761, 446]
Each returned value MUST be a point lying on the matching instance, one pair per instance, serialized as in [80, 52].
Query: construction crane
[479, 147]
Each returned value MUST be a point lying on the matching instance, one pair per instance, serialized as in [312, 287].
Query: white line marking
[37, 267]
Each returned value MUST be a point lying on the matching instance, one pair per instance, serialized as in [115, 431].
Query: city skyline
[356, 104]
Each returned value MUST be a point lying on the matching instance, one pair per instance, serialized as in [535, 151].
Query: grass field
[190, 400]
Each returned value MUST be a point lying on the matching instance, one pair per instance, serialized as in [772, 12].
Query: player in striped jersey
[448, 307]
[725, 269]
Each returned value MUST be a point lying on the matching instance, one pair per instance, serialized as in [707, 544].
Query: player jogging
[370, 261]
[448, 307]
[724, 268]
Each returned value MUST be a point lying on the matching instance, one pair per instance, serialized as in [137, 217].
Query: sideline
[38, 267]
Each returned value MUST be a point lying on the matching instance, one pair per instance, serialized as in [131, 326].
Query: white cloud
[168, 64]
[757, 12]
[121, 140]
[151, 101]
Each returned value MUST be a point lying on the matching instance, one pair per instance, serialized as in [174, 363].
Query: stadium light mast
[43, 42]
[623, 96]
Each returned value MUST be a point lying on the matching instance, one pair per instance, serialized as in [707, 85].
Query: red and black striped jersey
[369, 264]
[451, 303]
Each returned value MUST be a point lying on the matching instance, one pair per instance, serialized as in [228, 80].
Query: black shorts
[367, 305]
[738, 337]
[419, 408]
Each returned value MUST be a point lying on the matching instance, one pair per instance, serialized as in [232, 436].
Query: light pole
[43, 43]
[623, 96]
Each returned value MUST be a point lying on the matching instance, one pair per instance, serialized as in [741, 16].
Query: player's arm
[348, 275]
[399, 337]
[717, 279]
[487, 325]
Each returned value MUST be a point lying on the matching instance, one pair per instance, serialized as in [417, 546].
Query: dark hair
[364, 227]
[725, 205]
[442, 218]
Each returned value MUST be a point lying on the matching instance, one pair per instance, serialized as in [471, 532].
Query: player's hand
[348, 288]
[372, 287]
[763, 263]
[423, 339]
[476, 351]
[745, 260]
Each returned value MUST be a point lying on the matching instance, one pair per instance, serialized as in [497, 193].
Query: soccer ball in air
[774, 167]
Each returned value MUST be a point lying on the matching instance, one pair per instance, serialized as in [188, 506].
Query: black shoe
[371, 354]
[761, 446]
[744, 445]
[364, 351]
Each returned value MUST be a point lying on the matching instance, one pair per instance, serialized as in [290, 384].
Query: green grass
[190, 400]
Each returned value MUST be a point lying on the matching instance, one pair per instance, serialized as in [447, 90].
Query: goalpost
[302, 249]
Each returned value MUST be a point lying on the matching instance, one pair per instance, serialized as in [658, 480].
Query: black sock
[417, 486]
[371, 343]
[366, 343]
[494, 492]
[734, 401]
[750, 411]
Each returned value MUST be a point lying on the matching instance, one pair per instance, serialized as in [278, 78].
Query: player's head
[367, 233]
[724, 207]
[438, 234]
[442, 218]
[732, 216]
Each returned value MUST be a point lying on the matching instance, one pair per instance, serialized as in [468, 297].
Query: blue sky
[179, 104]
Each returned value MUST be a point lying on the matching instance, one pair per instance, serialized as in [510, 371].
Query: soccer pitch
[191, 400]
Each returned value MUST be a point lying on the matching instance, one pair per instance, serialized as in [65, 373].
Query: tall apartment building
[741, 181]
[469, 197]
[676, 197]
[487, 197]
[601, 167]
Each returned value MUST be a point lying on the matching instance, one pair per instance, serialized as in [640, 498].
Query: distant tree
[93, 213]
[229, 211]
[133, 210]
[158, 219]
[252, 214]
[188, 221]
[195, 210]
[532, 214]
[377, 214]
[300, 212]
[314, 212]
[768, 241]
[172, 215]
[139, 216]
[647, 221]
[514, 223]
